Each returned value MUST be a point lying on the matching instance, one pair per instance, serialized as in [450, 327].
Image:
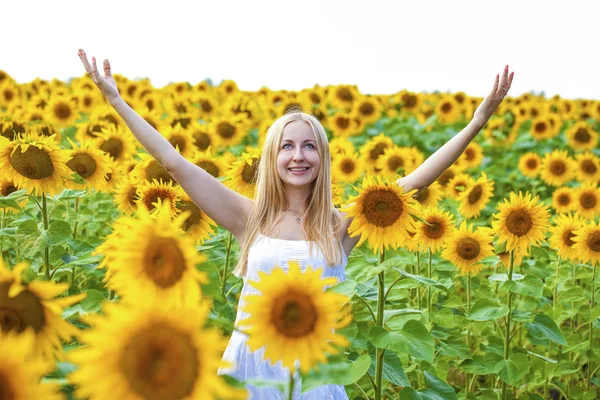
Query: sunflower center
[315, 98]
[409, 100]
[469, 154]
[209, 167]
[540, 127]
[20, 312]
[8, 189]
[345, 94]
[113, 146]
[593, 241]
[445, 177]
[164, 262]
[195, 216]
[160, 362]
[201, 140]
[83, 164]
[558, 167]
[468, 248]
[342, 122]
[519, 222]
[156, 171]
[294, 315]
[6, 389]
[395, 162]
[532, 163]
[564, 199]
[446, 108]
[62, 111]
[367, 109]
[382, 207]
[132, 196]
[226, 130]
[588, 200]
[178, 141]
[423, 196]
[377, 151]
[475, 194]
[87, 101]
[434, 231]
[567, 236]
[348, 166]
[582, 135]
[250, 171]
[93, 129]
[34, 163]
[206, 106]
[588, 167]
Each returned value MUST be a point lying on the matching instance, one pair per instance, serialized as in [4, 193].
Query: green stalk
[468, 328]
[74, 237]
[589, 370]
[554, 294]
[225, 272]
[507, 330]
[418, 284]
[429, 287]
[380, 307]
[47, 249]
[291, 392]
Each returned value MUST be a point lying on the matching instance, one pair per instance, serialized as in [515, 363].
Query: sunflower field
[115, 285]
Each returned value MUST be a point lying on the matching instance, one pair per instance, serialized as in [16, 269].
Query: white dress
[264, 254]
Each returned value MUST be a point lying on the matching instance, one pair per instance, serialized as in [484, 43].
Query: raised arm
[446, 155]
[226, 207]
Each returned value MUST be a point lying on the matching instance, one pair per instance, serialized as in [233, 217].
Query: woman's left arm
[446, 155]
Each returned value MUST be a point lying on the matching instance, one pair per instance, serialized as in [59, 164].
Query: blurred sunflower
[9, 94]
[343, 96]
[212, 164]
[530, 164]
[197, 225]
[582, 136]
[434, 228]
[367, 109]
[373, 149]
[587, 243]
[149, 170]
[448, 175]
[11, 129]
[180, 139]
[541, 128]
[518, 254]
[476, 196]
[587, 200]
[89, 163]
[126, 196]
[202, 138]
[430, 196]
[346, 168]
[114, 178]
[457, 185]
[46, 129]
[587, 167]
[394, 162]
[61, 111]
[563, 199]
[294, 318]
[7, 186]
[153, 195]
[521, 221]
[34, 163]
[557, 168]
[340, 145]
[154, 118]
[447, 110]
[343, 125]
[116, 142]
[471, 157]
[467, 246]
[230, 130]
[408, 102]
[151, 351]
[244, 172]
[206, 105]
[34, 307]
[21, 372]
[561, 235]
[90, 130]
[337, 191]
[87, 100]
[153, 258]
[379, 211]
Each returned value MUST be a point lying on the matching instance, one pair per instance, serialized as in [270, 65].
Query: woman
[292, 216]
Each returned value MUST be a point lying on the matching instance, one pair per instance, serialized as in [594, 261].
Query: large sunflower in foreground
[151, 257]
[293, 316]
[587, 243]
[150, 351]
[434, 229]
[587, 200]
[467, 246]
[91, 164]
[153, 195]
[557, 168]
[379, 211]
[561, 238]
[20, 373]
[521, 221]
[34, 306]
[244, 172]
[34, 163]
[476, 196]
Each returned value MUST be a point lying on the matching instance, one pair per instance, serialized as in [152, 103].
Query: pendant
[298, 220]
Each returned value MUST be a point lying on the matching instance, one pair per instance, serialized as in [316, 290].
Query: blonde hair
[322, 222]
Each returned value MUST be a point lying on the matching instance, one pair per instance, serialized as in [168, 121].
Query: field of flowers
[115, 285]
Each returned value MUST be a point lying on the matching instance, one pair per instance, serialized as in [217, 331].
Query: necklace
[298, 218]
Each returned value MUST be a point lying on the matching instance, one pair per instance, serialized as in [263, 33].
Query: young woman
[292, 216]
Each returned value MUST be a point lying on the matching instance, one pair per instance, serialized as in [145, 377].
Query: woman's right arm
[225, 206]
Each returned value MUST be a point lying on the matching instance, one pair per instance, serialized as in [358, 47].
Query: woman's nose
[298, 154]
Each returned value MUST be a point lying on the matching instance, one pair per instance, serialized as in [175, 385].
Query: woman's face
[298, 160]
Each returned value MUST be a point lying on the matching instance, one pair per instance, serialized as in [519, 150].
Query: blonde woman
[292, 216]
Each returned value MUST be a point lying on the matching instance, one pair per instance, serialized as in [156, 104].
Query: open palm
[106, 83]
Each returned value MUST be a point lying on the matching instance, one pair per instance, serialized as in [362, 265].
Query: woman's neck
[296, 199]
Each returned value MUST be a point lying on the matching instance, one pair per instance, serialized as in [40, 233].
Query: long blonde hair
[323, 221]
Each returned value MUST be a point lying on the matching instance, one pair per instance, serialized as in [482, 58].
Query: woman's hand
[106, 83]
[493, 100]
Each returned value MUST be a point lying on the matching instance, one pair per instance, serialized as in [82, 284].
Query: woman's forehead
[298, 130]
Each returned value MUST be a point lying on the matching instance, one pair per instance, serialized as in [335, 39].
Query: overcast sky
[382, 46]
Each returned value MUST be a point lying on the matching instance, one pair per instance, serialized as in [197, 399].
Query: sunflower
[587, 200]
[582, 136]
[408, 102]
[34, 163]
[151, 351]
[293, 318]
[114, 141]
[149, 170]
[430, 196]
[457, 185]
[368, 109]
[434, 228]
[180, 139]
[90, 130]
[206, 105]
[346, 168]
[87, 100]
[11, 129]
[587, 242]
[33, 306]
[153, 195]
[471, 157]
[20, 372]
[61, 111]
[467, 246]
[521, 221]
[337, 191]
[518, 254]
[447, 110]
[474, 199]
[557, 168]
[153, 117]
[214, 165]
[588, 167]
[379, 211]
[230, 131]
[530, 164]
[46, 129]
[373, 149]
[89, 163]
[126, 196]
[561, 235]
[197, 225]
[343, 125]
[448, 175]
[343, 96]
[244, 172]
[202, 138]
[395, 161]
[499, 133]
[151, 257]
[340, 145]
[7, 186]
[9, 94]
[563, 199]
[541, 128]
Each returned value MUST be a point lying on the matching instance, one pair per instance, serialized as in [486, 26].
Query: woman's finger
[106, 68]
[84, 60]
[495, 88]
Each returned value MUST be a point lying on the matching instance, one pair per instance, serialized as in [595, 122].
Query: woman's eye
[310, 145]
[286, 146]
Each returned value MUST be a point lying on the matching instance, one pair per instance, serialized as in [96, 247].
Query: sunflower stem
[507, 335]
[225, 272]
[418, 284]
[291, 386]
[76, 211]
[589, 369]
[47, 249]
[369, 307]
[380, 308]
[429, 287]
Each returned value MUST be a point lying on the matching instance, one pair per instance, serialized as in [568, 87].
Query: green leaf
[70, 194]
[339, 372]
[423, 280]
[530, 286]
[565, 367]
[393, 371]
[436, 390]
[539, 253]
[9, 203]
[476, 366]
[504, 277]
[413, 339]
[544, 327]
[514, 369]
[59, 232]
[93, 301]
[487, 310]
[346, 288]
[541, 357]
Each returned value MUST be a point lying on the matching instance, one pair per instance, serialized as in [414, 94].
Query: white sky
[382, 46]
